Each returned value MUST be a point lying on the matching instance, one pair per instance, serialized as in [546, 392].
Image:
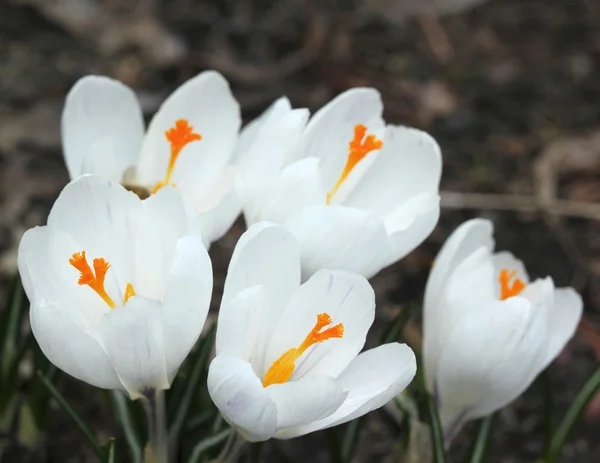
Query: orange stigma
[96, 282]
[178, 136]
[129, 292]
[357, 150]
[282, 369]
[508, 289]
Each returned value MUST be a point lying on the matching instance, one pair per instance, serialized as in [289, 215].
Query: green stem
[481, 442]
[154, 404]
[437, 435]
[587, 392]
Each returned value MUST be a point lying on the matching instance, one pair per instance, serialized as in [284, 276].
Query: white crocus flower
[288, 359]
[188, 144]
[119, 287]
[488, 330]
[357, 194]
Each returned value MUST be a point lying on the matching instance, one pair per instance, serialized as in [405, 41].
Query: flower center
[95, 279]
[178, 136]
[357, 150]
[509, 288]
[282, 369]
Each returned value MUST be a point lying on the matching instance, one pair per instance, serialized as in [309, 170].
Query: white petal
[409, 163]
[410, 224]
[563, 318]
[299, 186]
[132, 336]
[332, 127]
[470, 285]
[249, 133]
[241, 398]
[164, 219]
[219, 210]
[340, 237]
[372, 379]
[489, 358]
[186, 301]
[301, 402]
[209, 107]
[97, 108]
[266, 255]
[69, 348]
[101, 161]
[349, 299]
[239, 323]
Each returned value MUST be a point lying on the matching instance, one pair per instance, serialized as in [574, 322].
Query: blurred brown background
[509, 88]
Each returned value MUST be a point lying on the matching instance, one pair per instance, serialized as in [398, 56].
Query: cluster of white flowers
[120, 280]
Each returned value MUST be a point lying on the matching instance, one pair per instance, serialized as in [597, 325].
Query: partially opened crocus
[188, 144]
[288, 360]
[358, 195]
[119, 287]
[488, 330]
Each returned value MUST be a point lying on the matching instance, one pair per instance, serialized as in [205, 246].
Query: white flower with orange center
[357, 194]
[288, 360]
[488, 330]
[119, 287]
[189, 143]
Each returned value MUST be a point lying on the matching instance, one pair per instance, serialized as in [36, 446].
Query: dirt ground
[509, 88]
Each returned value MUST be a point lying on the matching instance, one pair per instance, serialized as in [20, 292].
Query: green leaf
[10, 325]
[480, 445]
[587, 393]
[122, 411]
[437, 435]
[84, 428]
[109, 451]
[182, 407]
[351, 438]
[207, 444]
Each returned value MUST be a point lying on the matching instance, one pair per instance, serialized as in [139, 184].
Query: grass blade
[121, 408]
[587, 392]
[394, 332]
[10, 327]
[481, 443]
[207, 444]
[109, 451]
[437, 435]
[84, 428]
[183, 407]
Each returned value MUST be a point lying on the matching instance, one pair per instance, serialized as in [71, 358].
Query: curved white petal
[563, 318]
[408, 164]
[239, 323]
[186, 301]
[371, 380]
[241, 398]
[298, 186]
[301, 402]
[348, 298]
[101, 161]
[101, 108]
[165, 217]
[332, 127]
[132, 337]
[489, 358]
[266, 255]
[69, 348]
[340, 237]
[411, 223]
[208, 105]
[218, 211]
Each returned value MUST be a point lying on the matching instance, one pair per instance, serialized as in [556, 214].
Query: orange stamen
[357, 149]
[129, 292]
[87, 277]
[282, 369]
[508, 289]
[178, 136]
